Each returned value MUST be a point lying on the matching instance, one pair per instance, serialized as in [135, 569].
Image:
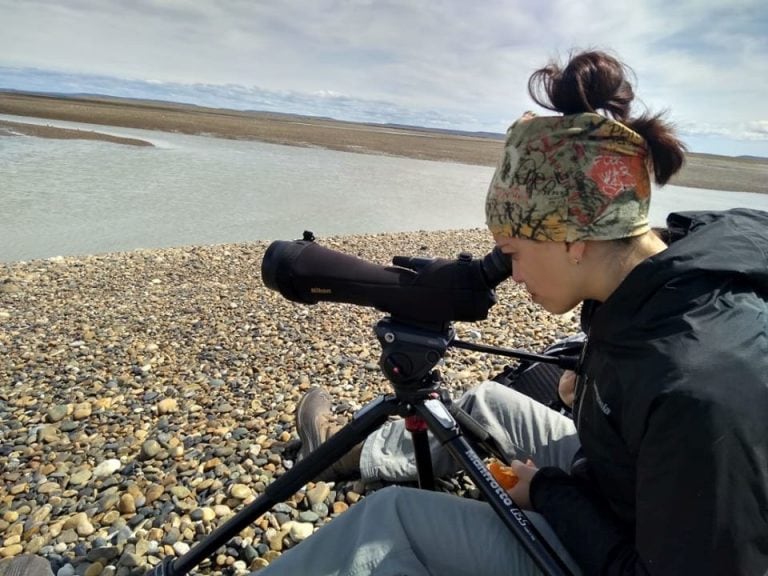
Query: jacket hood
[707, 250]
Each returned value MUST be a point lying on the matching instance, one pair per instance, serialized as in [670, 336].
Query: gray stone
[57, 413]
[150, 449]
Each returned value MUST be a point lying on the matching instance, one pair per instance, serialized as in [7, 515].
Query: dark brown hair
[595, 81]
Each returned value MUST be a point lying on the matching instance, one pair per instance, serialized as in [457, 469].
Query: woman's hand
[566, 388]
[521, 492]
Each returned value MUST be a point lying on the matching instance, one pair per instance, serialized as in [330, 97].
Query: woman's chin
[552, 307]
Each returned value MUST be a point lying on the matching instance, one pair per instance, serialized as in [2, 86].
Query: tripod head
[409, 353]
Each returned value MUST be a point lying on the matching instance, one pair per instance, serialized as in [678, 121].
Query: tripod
[409, 356]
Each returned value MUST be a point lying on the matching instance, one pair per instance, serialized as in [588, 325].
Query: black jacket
[672, 412]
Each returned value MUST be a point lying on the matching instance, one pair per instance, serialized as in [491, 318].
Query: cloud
[454, 61]
[757, 130]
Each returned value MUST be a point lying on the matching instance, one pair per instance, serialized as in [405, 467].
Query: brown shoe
[315, 423]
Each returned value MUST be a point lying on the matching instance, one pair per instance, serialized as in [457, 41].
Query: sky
[452, 64]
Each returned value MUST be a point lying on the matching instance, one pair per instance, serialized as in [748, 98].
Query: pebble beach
[148, 396]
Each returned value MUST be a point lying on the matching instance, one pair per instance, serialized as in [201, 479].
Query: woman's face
[546, 269]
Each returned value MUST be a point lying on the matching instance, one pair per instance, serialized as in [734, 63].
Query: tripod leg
[365, 421]
[425, 472]
[448, 432]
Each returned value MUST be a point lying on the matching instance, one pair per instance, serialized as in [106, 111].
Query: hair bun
[596, 82]
[590, 82]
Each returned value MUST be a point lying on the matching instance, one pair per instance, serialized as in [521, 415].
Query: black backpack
[539, 380]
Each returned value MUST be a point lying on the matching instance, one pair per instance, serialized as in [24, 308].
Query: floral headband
[569, 178]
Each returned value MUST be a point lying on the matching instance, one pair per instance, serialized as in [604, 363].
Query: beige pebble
[153, 492]
[167, 406]
[10, 516]
[110, 518]
[180, 491]
[339, 507]
[48, 488]
[19, 488]
[82, 411]
[222, 510]
[80, 476]
[240, 491]
[127, 504]
[11, 551]
[85, 528]
[318, 493]
[353, 497]
[276, 541]
[13, 539]
[299, 530]
[48, 434]
[271, 555]
[35, 544]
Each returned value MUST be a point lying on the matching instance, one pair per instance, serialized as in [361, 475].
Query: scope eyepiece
[496, 267]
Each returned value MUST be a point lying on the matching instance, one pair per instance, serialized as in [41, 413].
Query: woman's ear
[576, 251]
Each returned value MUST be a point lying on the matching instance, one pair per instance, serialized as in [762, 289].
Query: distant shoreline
[701, 170]
[39, 131]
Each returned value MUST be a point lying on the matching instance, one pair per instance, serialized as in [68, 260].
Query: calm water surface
[72, 197]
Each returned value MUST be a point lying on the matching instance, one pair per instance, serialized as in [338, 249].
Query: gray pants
[404, 531]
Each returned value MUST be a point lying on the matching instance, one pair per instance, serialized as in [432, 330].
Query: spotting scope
[424, 291]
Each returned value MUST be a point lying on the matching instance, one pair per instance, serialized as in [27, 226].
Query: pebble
[11, 551]
[339, 507]
[94, 569]
[57, 413]
[107, 468]
[80, 476]
[147, 396]
[299, 530]
[167, 406]
[82, 411]
[127, 504]
[66, 570]
[150, 449]
[318, 493]
[240, 491]
[205, 514]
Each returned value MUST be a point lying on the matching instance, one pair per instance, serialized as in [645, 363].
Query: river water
[76, 197]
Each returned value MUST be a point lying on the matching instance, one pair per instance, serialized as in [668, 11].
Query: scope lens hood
[277, 265]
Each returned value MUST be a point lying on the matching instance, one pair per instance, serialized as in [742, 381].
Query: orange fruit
[503, 474]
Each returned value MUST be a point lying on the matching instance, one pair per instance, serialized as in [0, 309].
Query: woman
[664, 468]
